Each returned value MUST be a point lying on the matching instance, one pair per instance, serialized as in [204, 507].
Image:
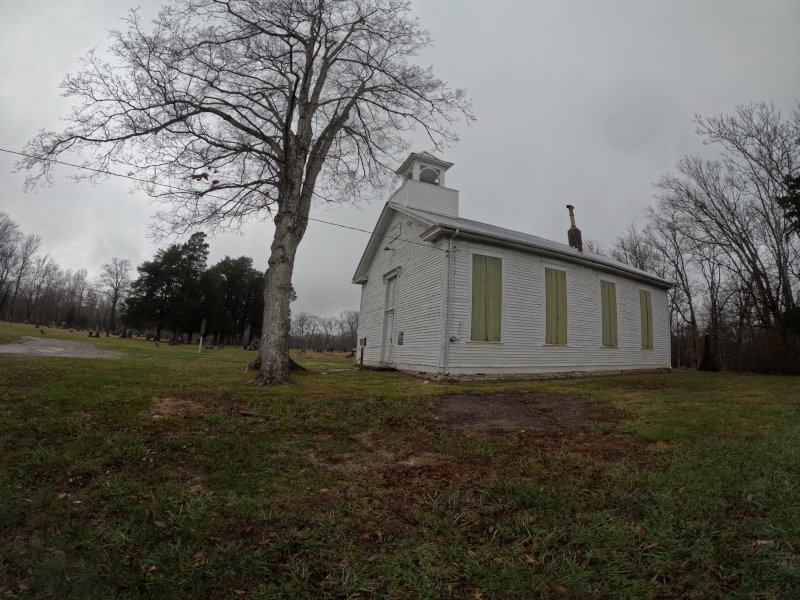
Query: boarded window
[646, 309]
[608, 302]
[556, 307]
[487, 298]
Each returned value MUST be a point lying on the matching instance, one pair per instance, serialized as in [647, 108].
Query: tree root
[256, 366]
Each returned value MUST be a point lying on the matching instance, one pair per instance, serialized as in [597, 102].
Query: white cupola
[424, 167]
[423, 186]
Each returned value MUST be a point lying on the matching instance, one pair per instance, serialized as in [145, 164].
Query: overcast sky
[581, 102]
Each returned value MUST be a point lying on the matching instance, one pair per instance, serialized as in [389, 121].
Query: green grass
[339, 485]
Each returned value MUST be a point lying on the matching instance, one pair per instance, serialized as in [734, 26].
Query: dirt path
[545, 412]
[33, 346]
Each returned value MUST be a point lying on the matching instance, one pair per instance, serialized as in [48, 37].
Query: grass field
[164, 475]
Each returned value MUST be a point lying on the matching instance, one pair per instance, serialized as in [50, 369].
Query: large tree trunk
[289, 229]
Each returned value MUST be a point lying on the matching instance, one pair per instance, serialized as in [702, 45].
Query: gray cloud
[578, 102]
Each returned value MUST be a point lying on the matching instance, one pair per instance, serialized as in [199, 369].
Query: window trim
[389, 274]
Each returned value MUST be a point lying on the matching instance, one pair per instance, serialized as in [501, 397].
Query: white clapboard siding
[522, 348]
[419, 298]
[424, 196]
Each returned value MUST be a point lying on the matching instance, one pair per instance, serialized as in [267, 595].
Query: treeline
[176, 293]
[325, 334]
[174, 296]
[35, 289]
[726, 231]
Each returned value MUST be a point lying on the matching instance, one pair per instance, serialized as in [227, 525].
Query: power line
[174, 187]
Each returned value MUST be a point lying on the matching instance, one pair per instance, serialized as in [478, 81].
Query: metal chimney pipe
[571, 208]
[574, 236]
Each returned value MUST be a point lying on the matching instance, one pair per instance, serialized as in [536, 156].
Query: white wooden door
[388, 320]
[388, 335]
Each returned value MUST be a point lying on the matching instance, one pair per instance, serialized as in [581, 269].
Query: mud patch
[33, 346]
[178, 407]
[536, 411]
[375, 457]
[375, 461]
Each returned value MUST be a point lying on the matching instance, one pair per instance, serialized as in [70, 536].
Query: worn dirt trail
[33, 346]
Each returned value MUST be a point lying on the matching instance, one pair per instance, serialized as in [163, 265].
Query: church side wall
[522, 347]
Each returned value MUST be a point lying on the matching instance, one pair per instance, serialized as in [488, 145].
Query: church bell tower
[423, 187]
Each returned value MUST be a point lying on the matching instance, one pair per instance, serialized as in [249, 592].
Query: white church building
[447, 296]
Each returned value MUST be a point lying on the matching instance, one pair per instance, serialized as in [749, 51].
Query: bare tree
[246, 108]
[77, 290]
[114, 280]
[9, 256]
[312, 326]
[594, 247]
[666, 235]
[633, 248]
[44, 268]
[93, 308]
[327, 324]
[27, 251]
[347, 321]
[300, 324]
[730, 203]
[719, 232]
[56, 294]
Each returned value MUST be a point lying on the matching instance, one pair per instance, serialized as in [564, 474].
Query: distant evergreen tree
[240, 290]
[168, 294]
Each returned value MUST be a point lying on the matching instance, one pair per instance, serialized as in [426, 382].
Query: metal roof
[492, 233]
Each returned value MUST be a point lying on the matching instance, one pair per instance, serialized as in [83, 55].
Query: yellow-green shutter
[487, 298]
[646, 308]
[555, 306]
[562, 307]
[478, 298]
[551, 306]
[608, 296]
[494, 298]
